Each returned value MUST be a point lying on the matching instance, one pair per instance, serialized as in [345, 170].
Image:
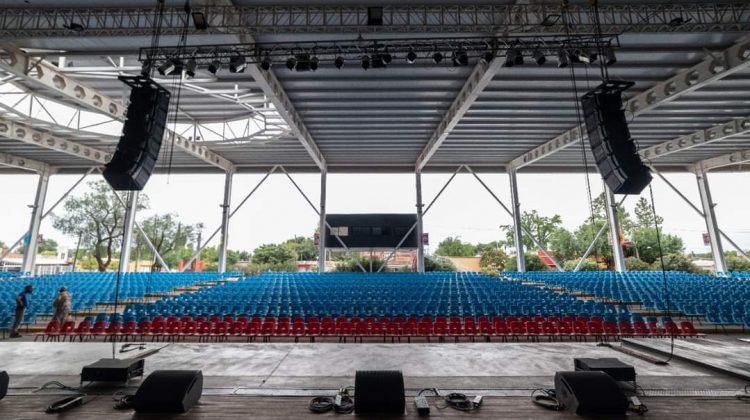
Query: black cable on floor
[663, 274]
[341, 403]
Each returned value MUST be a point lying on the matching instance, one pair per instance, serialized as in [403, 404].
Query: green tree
[600, 213]
[735, 262]
[435, 263]
[351, 265]
[564, 245]
[272, 254]
[644, 238]
[303, 248]
[541, 227]
[677, 262]
[453, 247]
[533, 263]
[587, 265]
[644, 214]
[167, 234]
[635, 264]
[585, 234]
[493, 260]
[46, 246]
[98, 217]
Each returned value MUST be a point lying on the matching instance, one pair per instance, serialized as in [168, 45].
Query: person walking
[62, 306]
[22, 302]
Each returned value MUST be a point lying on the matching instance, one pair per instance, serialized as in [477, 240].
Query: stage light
[314, 63]
[562, 58]
[266, 63]
[593, 54]
[214, 66]
[411, 56]
[609, 54]
[378, 62]
[291, 63]
[460, 57]
[166, 68]
[75, 27]
[365, 61]
[339, 62]
[518, 56]
[387, 57]
[237, 64]
[190, 68]
[437, 57]
[488, 56]
[539, 57]
[199, 20]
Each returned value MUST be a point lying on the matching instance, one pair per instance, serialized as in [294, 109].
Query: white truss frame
[735, 127]
[480, 77]
[729, 159]
[45, 74]
[712, 68]
[14, 161]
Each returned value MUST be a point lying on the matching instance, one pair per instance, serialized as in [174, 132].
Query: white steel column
[29, 256]
[224, 237]
[322, 226]
[517, 228]
[717, 250]
[614, 230]
[420, 228]
[127, 235]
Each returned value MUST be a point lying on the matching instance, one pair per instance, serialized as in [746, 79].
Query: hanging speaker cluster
[139, 145]
[614, 150]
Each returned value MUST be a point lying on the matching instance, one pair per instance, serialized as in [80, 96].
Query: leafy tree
[677, 262]
[493, 259]
[352, 266]
[272, 254]
[453, 247]
[585, 234]
[98, 217]
[438, 264]
[46, 246]
[735, 262]
[644, 239]
[541, 227]
[533, 263]
[167, 234]
[644, 214]
[564, 245]
[480, 248]
[303, 248]
[635, 264]
[600, 213]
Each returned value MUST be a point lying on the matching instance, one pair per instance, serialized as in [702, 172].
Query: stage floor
[247, 368]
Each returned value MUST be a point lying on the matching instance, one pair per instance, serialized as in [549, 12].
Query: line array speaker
[169, 391]
[590, 393]
[379, 392]
[609, 138]
[138, 148]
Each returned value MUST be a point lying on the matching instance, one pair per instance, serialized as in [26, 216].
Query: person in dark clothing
[22, 302]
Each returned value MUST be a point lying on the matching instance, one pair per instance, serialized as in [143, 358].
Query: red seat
[220, 330]
[67, 330]
[610, 329]
[424, 329]
[158, 328]
[626, 328]
[203, 330]
[253, 329]
[688, 329]
[99, 329]
[394, 329]
[455, 328]
[82, 330]
[565, 329]
[517, 328]
[532, 329]
[581, 329]
[143, 328]
[313, 328]
[655, 330]
[501, 328]
[470, 328]
[344, 329]
[596, 329]
[440, 329]
[549, 329]
[298, 328]
[485, 328]
[268, 328]
[410, 329]
[377, 328]
[671, 328]
[188, 329]
[640, 328]
[128, 329]
[51, 331]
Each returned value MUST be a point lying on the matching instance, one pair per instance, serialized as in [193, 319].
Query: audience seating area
[89, 289]
[721, 300]
[353, 306]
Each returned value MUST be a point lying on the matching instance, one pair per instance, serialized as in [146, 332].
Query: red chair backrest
[52, 327]
[67, 327]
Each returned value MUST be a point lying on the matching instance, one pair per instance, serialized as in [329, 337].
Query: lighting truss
[407, 50]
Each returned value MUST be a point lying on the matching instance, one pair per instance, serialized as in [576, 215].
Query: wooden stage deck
[242, 407]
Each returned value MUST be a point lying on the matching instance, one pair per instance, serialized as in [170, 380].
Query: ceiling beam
[479, 79]
[15, 130]
[275, 92]
[730, 159]
[735, 127]
[7, 159]
[712, 68]
[29, 22]
[42, 73]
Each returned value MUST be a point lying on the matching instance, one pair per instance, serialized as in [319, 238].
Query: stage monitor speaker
[4, 380]
[169, 391]
[590, 393]
[138, 148]
[614, 150]
[379, 392]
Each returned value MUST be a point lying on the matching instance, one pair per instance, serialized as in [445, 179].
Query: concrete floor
[248, 368]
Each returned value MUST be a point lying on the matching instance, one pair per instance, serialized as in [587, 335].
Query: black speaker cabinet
[169, 391]
[379, 392]
[4, 379]
[140, 143]
[614, 150]
[590, 393]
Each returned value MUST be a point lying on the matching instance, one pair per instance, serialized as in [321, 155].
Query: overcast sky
[277, 211]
